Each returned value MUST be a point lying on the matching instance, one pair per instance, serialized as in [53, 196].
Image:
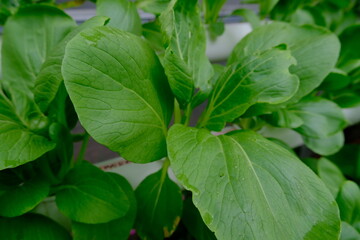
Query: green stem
[177, 112]
[188, 114]
[165, 168]
[83, 147]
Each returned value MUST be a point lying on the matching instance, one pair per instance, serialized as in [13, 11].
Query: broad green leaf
[29, 37]
[152, 6]
[89, 195]
[159, 206]
[32, 227]
[19, 142]
[247, 187]
[350, 53]
[185, 62]
[118, 229]
[194, 223]
[123, 14]
[321, 117]
[349, 202]
[348, 232]
[315, 50]
[133, 104]
[49, 79]
[284, 8]
[331, 175]
[22, 198]
[262, 77]
[212, 9]
[325, 145]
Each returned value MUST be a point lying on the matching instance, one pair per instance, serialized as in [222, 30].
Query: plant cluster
[134, 87]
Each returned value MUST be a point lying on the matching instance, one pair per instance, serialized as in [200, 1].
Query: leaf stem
[188, 114]
[177, 112]
[83, 147]
[165, 168]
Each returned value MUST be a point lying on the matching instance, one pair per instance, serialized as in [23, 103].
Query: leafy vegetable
[133, 105]
[159, 206]
[272, 182]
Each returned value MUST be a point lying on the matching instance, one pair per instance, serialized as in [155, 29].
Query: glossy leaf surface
[133, 103]
[118, 229]
[247, 187]
[315, 49]
[262, 77]
[89, 195]
[159, 206]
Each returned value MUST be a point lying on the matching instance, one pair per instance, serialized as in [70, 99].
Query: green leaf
[348, 232]
[266, 6]
[315, 50]
[325, 145]
[152, 6]
[350, 53]
[348, 160]
[185, 61]
[194, 223]
[262, 77]
[116, 229]
[32, 227]
[19, 144]
[152, 33]
[347, 98]
[321, 117]
[247, 187]
[133, 104]
[249, 15]
[335, 80]
[212, 9]
[123, 14]
[283, 118]
[48, 81]
[159, 206]
[89, 195]
[349, 202]
[29, 37]
[331, 175]
[22, 198]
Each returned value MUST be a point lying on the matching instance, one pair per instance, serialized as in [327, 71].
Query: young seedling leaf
[32, 227]
[118, 229]
[159, 206]
[262, 77]
[315, 49]
[325, 146]
[122, 13]
[89, 195]
[119, 91]
[247, 187]
[348, 232]
[331, 175]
